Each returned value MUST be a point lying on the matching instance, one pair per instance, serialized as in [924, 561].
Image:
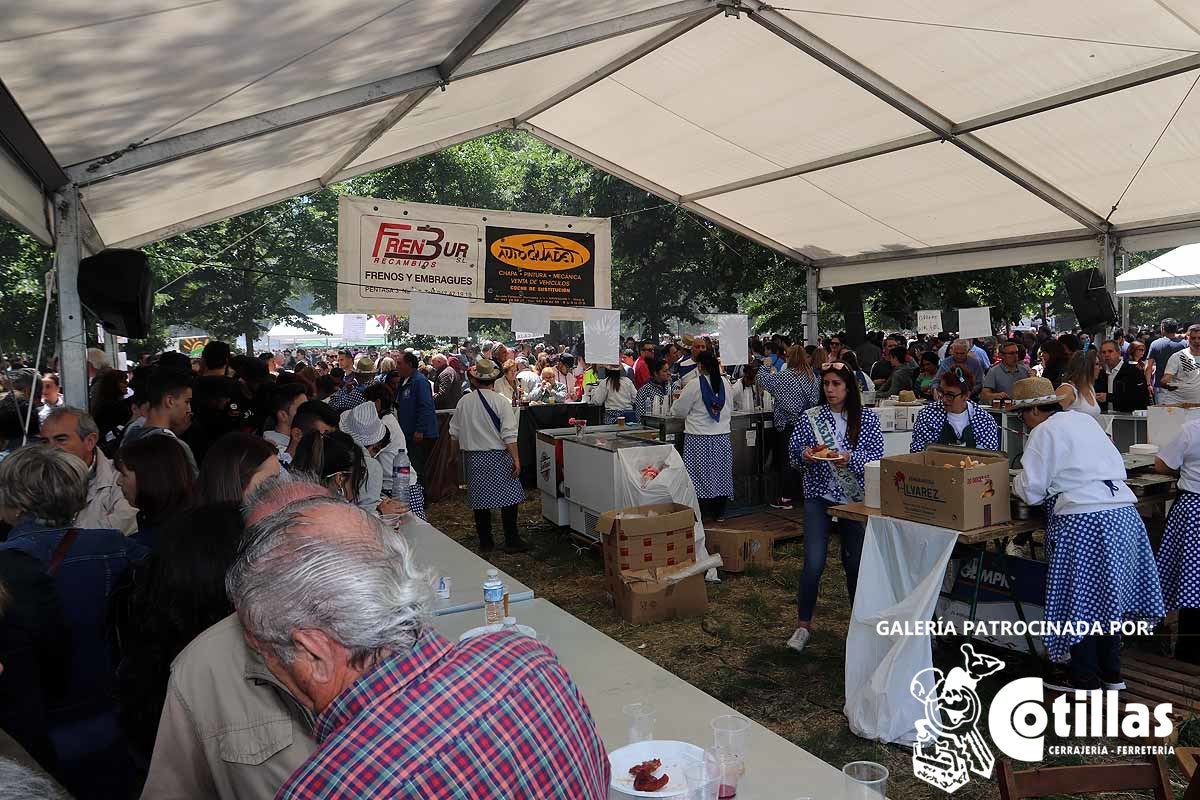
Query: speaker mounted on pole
[1090, 299]
[115, 285]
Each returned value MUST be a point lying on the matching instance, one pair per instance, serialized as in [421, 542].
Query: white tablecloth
[441, 555]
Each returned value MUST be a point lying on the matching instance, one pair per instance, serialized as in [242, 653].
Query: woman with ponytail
[705, 404]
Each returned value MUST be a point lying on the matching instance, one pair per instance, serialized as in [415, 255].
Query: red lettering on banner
[387, 230]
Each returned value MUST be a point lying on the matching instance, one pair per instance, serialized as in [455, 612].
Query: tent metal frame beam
[816, 47]
[601, 163]
[501, 12]
[1032, 240]
[134, 158]
[1133, 79]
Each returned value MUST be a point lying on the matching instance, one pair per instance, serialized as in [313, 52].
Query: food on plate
[644, 780]
[820, 450]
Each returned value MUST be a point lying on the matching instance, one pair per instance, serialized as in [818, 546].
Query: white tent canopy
[1173, 274]
[868, 139]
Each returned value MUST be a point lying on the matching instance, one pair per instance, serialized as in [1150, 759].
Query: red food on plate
[645, 768]
[646, 782]
[819, 449]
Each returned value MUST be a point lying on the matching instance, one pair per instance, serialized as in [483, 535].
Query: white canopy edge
[22, 201]
[1173, 274]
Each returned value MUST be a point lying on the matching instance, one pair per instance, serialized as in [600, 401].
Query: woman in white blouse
[1101, 569]
[705, 405]
[617, 394]
[1076, 392]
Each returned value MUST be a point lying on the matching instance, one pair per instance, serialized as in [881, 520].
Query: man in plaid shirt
[335, 606]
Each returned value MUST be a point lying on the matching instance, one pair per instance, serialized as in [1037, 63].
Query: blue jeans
[816, 547]
[1096, 657]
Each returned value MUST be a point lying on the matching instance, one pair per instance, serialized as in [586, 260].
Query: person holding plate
[832, 443]
[955, 419]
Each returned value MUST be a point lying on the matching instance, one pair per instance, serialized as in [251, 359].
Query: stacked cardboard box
[938, 489]
[645, 547]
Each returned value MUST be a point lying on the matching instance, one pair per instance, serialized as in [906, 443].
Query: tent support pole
[71, 338]
[1124, 301]
[812, 331]
[1108, 268]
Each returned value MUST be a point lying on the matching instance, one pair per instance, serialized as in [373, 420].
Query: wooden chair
[1086, 779]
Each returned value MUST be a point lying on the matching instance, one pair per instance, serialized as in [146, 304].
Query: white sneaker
[799, 639]
[1018, 551]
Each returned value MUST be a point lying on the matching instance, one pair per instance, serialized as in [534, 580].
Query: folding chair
[1086, 779]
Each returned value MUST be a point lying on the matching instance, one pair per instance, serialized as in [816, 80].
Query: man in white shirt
[747, 396]
[1182, 375]
[526, 377]
[285, 400]
[73, 431]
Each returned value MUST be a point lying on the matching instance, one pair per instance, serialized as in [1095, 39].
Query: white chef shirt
[690, 406]
[620, 400]
[1183, 365]
[1069, 455]
[473, 427]
[528, 380]
[743, 398]
[1183, 454]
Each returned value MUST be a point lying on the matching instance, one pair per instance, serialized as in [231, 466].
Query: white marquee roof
[874, 138]
[1173, 274]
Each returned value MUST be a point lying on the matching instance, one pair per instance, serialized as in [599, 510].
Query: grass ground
[736, 652]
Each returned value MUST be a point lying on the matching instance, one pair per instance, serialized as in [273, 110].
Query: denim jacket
[85, 579]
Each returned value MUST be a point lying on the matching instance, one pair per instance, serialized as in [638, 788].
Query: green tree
[24, 263]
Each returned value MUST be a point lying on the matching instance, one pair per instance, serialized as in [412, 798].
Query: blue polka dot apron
[1101, 570]
[1179, 554]
[709, 460]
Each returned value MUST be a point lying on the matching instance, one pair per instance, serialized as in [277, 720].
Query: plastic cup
[865, 780]
[728, 767]
[702, 777]
[391, 520]
[640, 718]
[730, 732]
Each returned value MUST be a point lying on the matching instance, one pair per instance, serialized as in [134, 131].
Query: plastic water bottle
[493, 598]
[509, 625]
[401, 470]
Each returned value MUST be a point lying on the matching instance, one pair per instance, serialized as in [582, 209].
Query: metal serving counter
[1125, 430]
[589, 469]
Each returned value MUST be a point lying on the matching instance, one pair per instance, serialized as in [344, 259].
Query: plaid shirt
[496, 716]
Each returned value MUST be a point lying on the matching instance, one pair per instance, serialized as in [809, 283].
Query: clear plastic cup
[728, 767]
[730, 732]
[702, 777]
[392, 521]
[640, 718]
[865, 780]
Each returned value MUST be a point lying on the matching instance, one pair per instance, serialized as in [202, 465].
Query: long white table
[610, 675]
[443, 556]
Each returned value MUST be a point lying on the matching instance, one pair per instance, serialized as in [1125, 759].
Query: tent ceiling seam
[114, 20]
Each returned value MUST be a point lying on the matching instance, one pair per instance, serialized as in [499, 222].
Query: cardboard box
[740, 549]
[666, 539]
[922, 488]
[641, 600]
[887, 418]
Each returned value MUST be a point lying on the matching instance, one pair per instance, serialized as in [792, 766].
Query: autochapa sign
[390, 253]
[543, 267]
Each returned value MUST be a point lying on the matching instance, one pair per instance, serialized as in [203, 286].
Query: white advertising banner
[390, 252]
[530, 321]
[973, 322]
[446, 317]
[734, 330]
[602, 336]
[929, 322]
[354, 327]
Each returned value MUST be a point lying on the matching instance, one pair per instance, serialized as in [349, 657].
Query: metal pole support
[811, 312]
[72, 341]
[1124, 301]
[1108, 268]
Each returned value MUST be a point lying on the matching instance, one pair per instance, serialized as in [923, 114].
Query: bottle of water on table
[493, 598]
[401, 472]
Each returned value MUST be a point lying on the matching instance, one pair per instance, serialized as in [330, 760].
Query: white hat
[362, 424]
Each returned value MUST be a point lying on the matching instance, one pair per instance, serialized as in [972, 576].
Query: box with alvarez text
[951, 489]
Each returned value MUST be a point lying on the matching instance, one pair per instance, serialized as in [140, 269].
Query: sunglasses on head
[833, 365]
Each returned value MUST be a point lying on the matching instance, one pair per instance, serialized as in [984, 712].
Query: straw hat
[1033, 392]
[688, 340]
[364, 364]
[485, 371]
[907, 396]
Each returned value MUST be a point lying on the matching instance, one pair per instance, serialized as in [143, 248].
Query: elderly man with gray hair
[333, 603]
[73, 431]
[961, 356]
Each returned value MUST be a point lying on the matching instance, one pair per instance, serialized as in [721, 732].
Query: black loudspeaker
[115, 286]
[1090, 299]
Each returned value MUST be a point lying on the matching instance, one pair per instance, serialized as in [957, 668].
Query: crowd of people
[203, 590]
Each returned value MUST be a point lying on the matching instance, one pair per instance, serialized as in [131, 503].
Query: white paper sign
[100, 333]
[602, 336]
[354, 327]
[447, 316]
[734, 330]
[530, 321]
[929, 322]
[973, 322]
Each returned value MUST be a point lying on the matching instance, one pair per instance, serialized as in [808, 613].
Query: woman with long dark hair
[107, 403]
[705, 403]
[659, 385]
[234, 465]
[156, 478]
[1054, 359]
[617, 394]
[832, 443]
[333, 459]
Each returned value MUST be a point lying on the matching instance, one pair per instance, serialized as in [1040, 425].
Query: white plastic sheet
[901, 572]
[602, 336]
[673, 484]
[734, 330]
[354, 327]
[973, 322]
[530, 321]
[447, 316]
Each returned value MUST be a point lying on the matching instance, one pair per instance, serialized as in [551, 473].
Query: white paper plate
[482, 629]
[826, 458]
[673, 756]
